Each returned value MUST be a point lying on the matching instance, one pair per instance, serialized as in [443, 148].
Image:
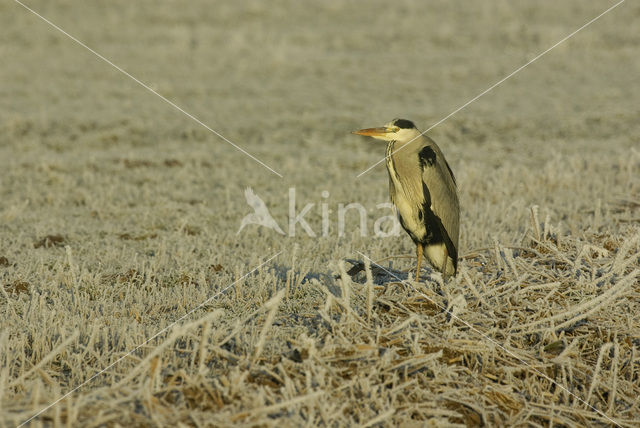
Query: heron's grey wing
[453, 177]
[438, 181]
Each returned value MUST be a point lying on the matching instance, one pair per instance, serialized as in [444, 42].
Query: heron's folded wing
[443, 194]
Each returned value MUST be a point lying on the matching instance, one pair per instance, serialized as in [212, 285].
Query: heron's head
[396, 130]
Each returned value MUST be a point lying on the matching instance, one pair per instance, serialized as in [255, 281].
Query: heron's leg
[444, 264]
[419, 253]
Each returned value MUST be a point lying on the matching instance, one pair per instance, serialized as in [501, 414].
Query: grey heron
[424, 191]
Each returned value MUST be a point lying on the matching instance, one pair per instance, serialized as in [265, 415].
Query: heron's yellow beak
[374, 132]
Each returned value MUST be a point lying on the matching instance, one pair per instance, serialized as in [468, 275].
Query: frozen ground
[118, 215]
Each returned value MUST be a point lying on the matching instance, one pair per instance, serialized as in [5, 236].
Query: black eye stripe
[404, 124]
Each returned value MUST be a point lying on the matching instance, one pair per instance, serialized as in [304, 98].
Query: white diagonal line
[148, 88]
[496, 84]
[44, 409]
[490, 339]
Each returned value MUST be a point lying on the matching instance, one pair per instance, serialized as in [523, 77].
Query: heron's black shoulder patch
[404, 124]
[427, 157]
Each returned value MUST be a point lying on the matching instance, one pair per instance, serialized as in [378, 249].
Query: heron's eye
[395, 129]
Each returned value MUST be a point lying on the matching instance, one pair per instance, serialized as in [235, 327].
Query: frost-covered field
[119, 215]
